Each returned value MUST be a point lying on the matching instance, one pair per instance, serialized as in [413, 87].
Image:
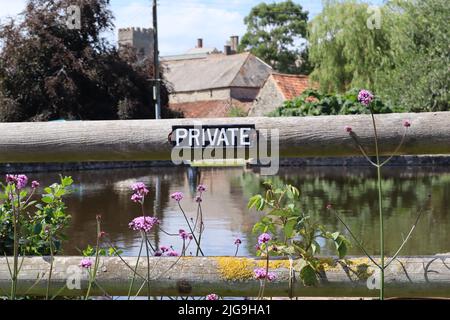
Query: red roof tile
[208, 109]
[290, 85]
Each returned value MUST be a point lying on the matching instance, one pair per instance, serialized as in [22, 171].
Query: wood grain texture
[137, 140]
[230, 276]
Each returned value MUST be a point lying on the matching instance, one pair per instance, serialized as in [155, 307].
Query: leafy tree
[419, 38]
[345, 53]
[49, 71]
[275, 33]
[405, 60]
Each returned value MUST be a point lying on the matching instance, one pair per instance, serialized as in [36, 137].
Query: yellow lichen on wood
[231, 268]
[363, 268]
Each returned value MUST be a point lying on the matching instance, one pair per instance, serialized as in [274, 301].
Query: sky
[181, 22]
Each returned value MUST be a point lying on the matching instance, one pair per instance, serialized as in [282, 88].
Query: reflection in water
[351, 190]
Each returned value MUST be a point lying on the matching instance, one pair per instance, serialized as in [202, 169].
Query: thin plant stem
[93, 273]
[190, 228]
[406, 239]
[201, 229]
[16, 245]
[396, 150]
[135, 269]
[357, 241]
[51, 267]
[380, 206]
[148, 264]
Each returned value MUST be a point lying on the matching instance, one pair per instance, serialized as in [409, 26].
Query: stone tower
[139, 38]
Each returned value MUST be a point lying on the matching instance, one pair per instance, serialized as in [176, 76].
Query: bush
[315, 103]
[39, 223]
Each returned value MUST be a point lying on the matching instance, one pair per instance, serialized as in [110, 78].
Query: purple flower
[201, 188]
[143, 223]
[198, 199]
[177, 196]
[264, 238]
[136, 197]
[164, 249]
[348, 129]
[158, 253]
[20, 181]
[407, 123]
[237, 241]
[184, 235]
[35, 184]
[212, 296]
[261, 274]
[365, 97]
[140, 188]
[86, 263]
[172, 253]
[11, 178]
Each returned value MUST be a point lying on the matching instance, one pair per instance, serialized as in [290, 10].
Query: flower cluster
[20, 181]
[238, 242]
[143, 223]
[177, 196]
[166, 251]
[261, 274]
[201, 188]
[140, 191]
[365, 97]
[185, 235]
[212, 296]
[264, 238]
[86, 263]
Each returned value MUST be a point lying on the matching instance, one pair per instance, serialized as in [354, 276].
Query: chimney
[234, 40]
[227, 50]
[200, 43]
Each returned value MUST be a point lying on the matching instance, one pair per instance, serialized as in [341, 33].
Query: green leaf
[308, 276]
[289, 228]
[37, 228]
[342, 250]
[47, 199]
[254, 201]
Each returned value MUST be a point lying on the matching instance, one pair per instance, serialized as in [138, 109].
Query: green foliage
[295, 233]
[405, 60]
[344, 52]
[275, 32]
[237, 112]
[49, 72]
[41, 223]
[102, 252]
[315, 103]
[420, 55]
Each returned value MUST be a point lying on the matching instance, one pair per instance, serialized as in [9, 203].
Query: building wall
[205, 95]
[139, 38]
[269, 99]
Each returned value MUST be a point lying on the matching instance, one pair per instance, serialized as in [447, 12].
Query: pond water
[351, 190]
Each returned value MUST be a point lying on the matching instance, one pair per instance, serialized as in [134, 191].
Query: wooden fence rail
[228, 276]
[138, 140]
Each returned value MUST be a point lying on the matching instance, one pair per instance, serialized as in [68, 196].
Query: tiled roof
[291, 86]
[208, 109]
[215, 71]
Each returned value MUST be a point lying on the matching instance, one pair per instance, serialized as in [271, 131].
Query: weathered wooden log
[229, 276]
[136, 140]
